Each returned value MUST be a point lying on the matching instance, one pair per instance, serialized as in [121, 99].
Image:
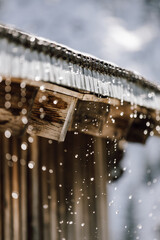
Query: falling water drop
[139, 226]
[7, 133]
[31, 164]
[15, 195]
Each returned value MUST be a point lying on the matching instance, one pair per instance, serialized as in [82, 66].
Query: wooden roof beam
[49, 110]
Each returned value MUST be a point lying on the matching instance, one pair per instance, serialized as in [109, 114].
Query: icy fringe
[18, 61]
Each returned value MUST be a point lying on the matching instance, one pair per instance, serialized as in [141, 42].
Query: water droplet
[50, 141]
[44, 168]
[158, 128]
[110, 203]
[31, 164]
[139, 226]
[55, 101]
[8, 156]
[24, 146]
[15, 195]
[24, 120]
[148, 124]
[23, 85]
[92, 179]
[42, 88]
[30, 139]
[155, 180]
[24, 111]
[130, 197]
[141, 116]
[82, 224]
[145, 132]
[113, 120]
[14, 158]
[50, 171]
[151, 133]
[45, 206]
[37, 78]
[7, 133]
[7, 104]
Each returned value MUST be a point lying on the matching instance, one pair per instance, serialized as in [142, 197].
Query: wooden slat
[15, 192]
[7, 163]
[51, 115]
[67, 200]
[52, 205]
[2, 202]
[34, 189]
[44, 187]
[23, 190]
[100, 188]
[60, 188]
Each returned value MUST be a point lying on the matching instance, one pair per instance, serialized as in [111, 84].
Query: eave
[91, 95]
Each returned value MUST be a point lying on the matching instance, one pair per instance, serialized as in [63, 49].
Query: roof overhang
[109, 101]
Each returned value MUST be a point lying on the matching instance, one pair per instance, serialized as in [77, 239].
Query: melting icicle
[21, 62]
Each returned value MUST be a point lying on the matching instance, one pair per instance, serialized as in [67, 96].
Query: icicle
[4, 68]
[71, 74]
[77, 77]
[66, 74]
[87, 82]
[15, 59]
[21, 62]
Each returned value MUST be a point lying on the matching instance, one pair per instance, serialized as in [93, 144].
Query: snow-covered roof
[26, 56]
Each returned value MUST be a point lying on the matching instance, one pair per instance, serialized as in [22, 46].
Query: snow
[127, 33]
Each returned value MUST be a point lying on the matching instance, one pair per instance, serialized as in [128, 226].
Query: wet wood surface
[51, 190]
[49, 110]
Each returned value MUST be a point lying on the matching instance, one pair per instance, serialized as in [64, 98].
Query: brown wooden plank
[52, 193]
[100, 187]
[2, 202]
[51, 115]
[23, 190]
[90, 117]
[34, 189]
[15, 191]
[44, 159]
[7, 164]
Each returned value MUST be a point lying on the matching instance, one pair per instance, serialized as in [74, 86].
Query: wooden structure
[53, 190]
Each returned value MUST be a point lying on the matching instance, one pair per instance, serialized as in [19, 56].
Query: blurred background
[126, 33]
